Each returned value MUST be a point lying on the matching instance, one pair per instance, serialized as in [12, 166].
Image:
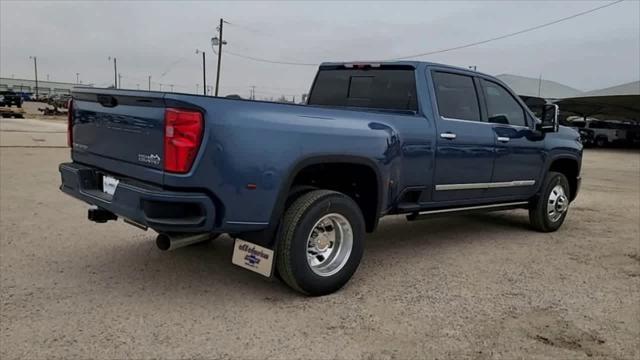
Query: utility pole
[539, 84]
[77, 78]
[218, 41]
[149, 82]
[204, 71]
[119, 81]
[253, 92]
[35, 67]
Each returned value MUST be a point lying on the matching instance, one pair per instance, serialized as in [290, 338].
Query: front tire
[548, 210]
[320, 242]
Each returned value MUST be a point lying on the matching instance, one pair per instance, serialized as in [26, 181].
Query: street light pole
[77, 78]
[204, 71]
[149, 82]
[35, 67]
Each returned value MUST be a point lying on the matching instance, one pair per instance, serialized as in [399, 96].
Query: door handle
[503, 139]
[448, 136]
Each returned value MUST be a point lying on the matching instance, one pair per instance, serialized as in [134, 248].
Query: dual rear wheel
[321, 242]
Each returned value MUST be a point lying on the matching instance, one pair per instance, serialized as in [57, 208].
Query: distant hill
[632, 88]
[529, 87]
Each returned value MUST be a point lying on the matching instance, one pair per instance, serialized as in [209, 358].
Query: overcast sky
[154, 38]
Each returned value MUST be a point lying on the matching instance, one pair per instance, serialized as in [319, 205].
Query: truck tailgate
[119, 131]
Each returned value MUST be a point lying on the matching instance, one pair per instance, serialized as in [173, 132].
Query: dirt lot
[480, 287]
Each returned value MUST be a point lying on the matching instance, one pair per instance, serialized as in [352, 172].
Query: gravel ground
[480, 286]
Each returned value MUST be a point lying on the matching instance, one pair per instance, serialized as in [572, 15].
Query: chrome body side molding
[491, 185]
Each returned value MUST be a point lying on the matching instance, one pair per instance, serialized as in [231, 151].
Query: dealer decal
[253, 257]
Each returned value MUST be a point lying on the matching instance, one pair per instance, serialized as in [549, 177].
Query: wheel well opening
[570, 169]
[354, 180]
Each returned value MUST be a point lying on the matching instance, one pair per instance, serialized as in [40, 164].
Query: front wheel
[548, 211]
[320, 242]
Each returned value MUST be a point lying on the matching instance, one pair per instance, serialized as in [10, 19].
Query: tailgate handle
[107, 101]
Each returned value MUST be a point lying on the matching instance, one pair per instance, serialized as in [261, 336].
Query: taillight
[70, 123]
[182, 137]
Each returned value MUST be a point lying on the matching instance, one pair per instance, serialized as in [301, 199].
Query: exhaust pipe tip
[166, 242]
[163, 242]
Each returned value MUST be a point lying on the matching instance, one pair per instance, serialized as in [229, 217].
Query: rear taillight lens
[182, 137]
[70, 123]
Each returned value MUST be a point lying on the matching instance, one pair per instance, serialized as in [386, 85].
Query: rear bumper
[157, 208]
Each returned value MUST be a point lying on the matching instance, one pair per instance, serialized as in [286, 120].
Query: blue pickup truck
[298, 186]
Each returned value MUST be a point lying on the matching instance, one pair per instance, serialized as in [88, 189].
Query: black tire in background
[299, 221]
[539, 215]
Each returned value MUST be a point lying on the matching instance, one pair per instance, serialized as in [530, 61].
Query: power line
[270, 61]
[294, 63]
[508, 35]
[249, 29]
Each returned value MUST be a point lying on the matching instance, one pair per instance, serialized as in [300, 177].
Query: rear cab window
[390, 87]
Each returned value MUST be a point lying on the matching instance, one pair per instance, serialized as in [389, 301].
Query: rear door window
[456, 96]
[378, 88]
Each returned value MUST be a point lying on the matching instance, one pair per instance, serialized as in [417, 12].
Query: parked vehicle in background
[298, 186]
[587, 137]
[26, 96]
[42, 98]
[604, 132]
[59, 100]
[10, 98]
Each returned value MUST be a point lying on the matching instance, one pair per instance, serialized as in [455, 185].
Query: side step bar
[466, 210]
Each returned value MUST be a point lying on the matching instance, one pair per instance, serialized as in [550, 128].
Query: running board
[466, 210]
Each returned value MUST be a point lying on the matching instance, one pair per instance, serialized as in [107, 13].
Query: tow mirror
[549, 119]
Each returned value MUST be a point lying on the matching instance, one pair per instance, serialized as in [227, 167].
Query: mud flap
[253, 257]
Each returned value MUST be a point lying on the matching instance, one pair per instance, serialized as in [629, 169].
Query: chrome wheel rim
[557, 203]
[329, 244]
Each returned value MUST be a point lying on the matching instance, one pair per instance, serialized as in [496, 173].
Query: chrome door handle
[503, 139]
[448, 136]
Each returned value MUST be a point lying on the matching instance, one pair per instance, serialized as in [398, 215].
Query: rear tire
[548, 210]
[320, 242]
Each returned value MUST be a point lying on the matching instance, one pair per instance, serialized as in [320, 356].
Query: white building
[29, 86]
